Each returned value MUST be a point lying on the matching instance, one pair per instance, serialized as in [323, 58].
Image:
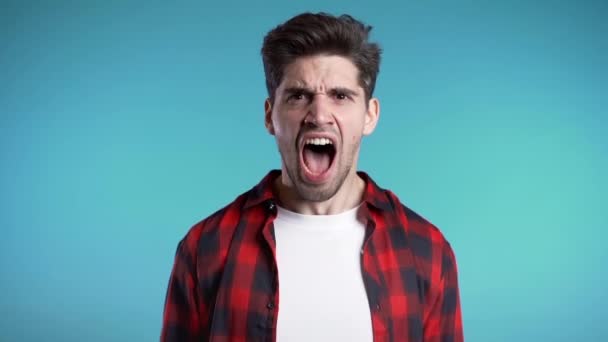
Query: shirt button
[377, 307]
[270, 305]
[271, 205]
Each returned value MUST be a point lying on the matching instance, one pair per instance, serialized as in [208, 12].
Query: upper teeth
[318, 141]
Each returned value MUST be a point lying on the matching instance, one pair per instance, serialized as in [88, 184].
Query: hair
[310, 34]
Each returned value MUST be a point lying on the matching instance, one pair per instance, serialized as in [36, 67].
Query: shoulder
[427, 241]
[213, 234]
[209, 234]
[422, 229]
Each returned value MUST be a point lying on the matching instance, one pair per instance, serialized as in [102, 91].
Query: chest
[264, 277]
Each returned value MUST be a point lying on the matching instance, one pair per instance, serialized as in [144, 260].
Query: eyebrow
[335, 90]
[294, 90]
[343, 90]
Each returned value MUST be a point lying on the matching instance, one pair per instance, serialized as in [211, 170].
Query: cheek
[279, 125]
[355, 132]
[283, 132]
[287, 126]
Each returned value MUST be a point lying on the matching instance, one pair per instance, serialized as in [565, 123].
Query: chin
[320, 192]
[316, 193]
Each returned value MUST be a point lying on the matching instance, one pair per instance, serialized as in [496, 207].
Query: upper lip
[313, 135]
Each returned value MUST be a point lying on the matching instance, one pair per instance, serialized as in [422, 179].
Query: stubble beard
[312, 192]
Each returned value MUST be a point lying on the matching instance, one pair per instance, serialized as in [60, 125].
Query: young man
[316, 251]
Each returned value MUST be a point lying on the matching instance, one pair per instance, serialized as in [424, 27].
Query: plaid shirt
[224, 281]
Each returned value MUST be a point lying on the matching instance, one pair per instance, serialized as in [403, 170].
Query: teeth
[318, 141]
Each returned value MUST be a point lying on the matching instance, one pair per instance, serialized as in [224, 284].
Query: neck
[347, 197]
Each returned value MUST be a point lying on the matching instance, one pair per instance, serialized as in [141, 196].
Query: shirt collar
[262, 193]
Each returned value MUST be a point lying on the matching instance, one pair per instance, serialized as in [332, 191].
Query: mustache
[333, 132]
[313, 130]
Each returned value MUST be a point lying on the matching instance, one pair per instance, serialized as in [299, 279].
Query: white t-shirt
[322, 296]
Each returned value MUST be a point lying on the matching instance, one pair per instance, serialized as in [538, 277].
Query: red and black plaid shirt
[224, 282]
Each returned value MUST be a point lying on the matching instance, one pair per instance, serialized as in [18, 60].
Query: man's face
[318, 118]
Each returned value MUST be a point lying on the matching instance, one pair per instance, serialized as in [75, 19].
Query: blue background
[124, 123]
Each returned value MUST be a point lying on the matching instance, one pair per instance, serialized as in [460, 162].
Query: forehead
[321, 72]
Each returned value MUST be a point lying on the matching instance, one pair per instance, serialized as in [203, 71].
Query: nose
[319, 111]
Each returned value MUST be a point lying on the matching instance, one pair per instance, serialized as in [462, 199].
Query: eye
[341, 96]
[297, 97]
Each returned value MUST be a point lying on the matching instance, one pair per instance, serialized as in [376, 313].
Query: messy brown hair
[310, 34]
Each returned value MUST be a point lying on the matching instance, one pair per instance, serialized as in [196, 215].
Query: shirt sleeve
[443, 320]
[181, 318]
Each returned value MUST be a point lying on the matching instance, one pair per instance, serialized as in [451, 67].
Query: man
[316, 251]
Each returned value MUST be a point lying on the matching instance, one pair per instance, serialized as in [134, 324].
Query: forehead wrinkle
[317, 76]
[320, 89]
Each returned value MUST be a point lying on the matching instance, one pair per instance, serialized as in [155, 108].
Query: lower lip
[317, 178]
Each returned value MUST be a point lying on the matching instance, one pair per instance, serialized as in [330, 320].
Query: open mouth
[318, 155]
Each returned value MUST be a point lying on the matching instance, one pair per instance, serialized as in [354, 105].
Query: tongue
[317, 162]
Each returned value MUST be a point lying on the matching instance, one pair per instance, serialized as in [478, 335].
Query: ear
[371, 116]
[268, 116]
